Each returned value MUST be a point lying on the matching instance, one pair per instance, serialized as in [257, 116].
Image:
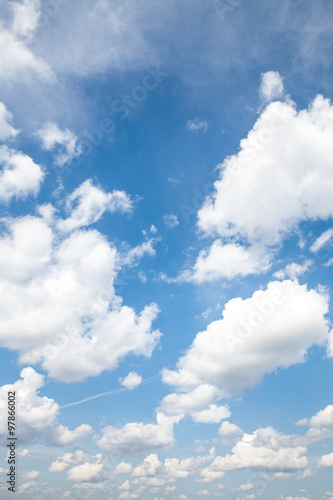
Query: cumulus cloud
[81, 467]
[64, 143]
[281, 176]
[228, 429]
[197, 403]
[20, 176]
[61, 435]
[131, 381]
[137, 438]
[326, 461]
[265, 449]
[226, 261]
[274, 328]
[36, 413]
[88, 203]
[320, 425]
[68, 305]
[293, 270]
[6, 129]
[271, 87]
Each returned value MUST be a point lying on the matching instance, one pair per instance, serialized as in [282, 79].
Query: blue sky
[166, 248]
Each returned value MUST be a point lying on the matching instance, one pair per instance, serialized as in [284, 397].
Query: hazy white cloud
[324, 238]
[122, 468]
[64, 143]
[20, 176]
[16, 59]
[273, 328]
[197, 125]
[271, 87]
[131, 381]
[88, 203]
[171, 220]
[6, 129]
[135, 439]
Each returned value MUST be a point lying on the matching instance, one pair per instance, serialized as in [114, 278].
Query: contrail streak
[109, 393]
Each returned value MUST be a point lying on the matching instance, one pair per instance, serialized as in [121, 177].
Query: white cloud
[20, 176]
[88, 203]
[212, 415]
[16, 60]
[265, 449]
[35, 413]
[131, 381]
[122, 468]
[324, 238]
[68, 305]
[320, 425]
[133, 255]
[230, 430]
[281, 176]
[63, 142]
[30, 476]
[197, 403]
[61, 435]
[226, 261]
[171, 220]
[293, 270]
[6, 130]
[326, 461]
[274, 328]
[138, 438]
[197, 125]
[271, 87]
[82, 467]
[244, 487]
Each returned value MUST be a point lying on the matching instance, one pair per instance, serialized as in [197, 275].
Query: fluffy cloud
[131, 381]
[265, 449]
[20, 176]
[196, 403]
[61, 435]
[226, 261]
[82, 467]
[122, 468]
[88, 203]
[67, 303]
[6, 130]
[326, 461]
[273, 328]
[281, 176]
[271, 87]
[63, 142]
[228, 429]
[35, 413]
[293, 270]
[320, 425]
[16, 58]
[138, 438]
